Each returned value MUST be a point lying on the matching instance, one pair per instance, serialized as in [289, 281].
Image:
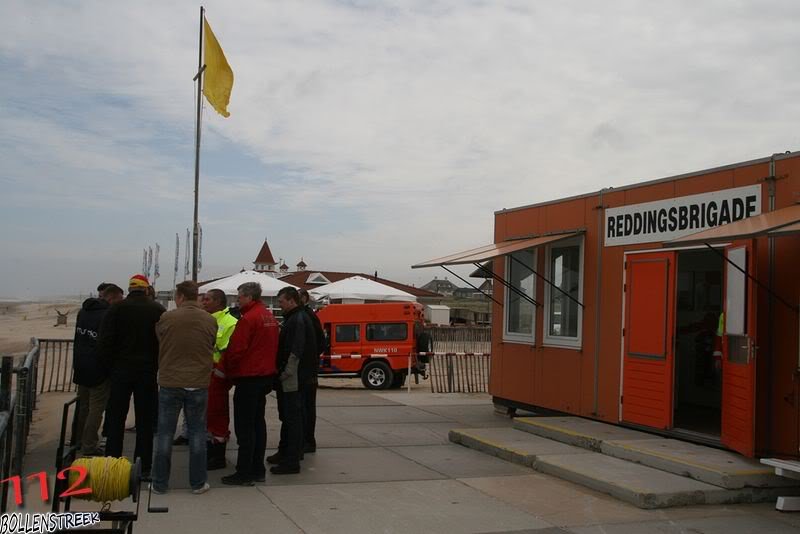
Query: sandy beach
[20, 321]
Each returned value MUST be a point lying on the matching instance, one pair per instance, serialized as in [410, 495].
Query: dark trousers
[144, 389]
[249, 406]
[290, 412]
[310, 413]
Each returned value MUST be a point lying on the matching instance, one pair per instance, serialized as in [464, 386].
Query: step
[642, 486]
[714, 466]
[511, 445]
[577, 431]
[721, 468]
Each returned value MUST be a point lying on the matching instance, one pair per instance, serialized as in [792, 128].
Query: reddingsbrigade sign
[663, 220]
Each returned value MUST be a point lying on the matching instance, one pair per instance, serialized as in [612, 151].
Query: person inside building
[250, 363]
[309, 389]
[88, 372]
[186, 337]
[128, 346]
[216, 303]
[296, 357]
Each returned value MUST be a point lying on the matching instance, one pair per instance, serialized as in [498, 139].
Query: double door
[649, 343]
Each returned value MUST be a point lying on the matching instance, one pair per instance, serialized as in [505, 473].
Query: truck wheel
[398, 380]
[377, 375]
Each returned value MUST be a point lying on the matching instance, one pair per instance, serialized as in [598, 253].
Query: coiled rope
[109, 478]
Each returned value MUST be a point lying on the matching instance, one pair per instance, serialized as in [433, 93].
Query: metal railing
[56, 362]
[459, 372]
[17, 401]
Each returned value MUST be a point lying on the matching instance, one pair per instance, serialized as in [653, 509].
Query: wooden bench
[788, 469]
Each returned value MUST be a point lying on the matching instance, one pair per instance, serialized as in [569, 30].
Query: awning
[487, 252]
[772, 223]
[786, 230]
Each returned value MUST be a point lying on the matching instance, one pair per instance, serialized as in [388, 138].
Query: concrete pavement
[384, 464]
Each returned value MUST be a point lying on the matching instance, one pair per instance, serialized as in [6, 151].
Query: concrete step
[642, 486]
[720, 468]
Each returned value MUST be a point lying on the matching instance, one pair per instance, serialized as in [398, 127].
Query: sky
[364, 135]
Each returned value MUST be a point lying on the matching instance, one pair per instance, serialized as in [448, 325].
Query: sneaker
[237, 480]
[284, 469]
[204, 488]
[157, 491]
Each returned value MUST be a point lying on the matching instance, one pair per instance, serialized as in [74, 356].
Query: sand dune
[20, 321]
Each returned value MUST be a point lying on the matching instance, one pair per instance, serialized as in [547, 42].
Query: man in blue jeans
[186, 339]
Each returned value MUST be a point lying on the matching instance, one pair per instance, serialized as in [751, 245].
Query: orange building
[622, 306]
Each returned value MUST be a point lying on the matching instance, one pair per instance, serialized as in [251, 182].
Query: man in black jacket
[309, 389]
[89, 373]
[129, 347]
[296, 346]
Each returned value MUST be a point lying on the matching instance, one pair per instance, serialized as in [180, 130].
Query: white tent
[269, 285]
[358, 288]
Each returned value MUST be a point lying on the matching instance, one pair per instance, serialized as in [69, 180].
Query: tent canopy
[358, 287]
[269, 285]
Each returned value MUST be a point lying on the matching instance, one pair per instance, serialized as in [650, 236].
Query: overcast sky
[363, 135]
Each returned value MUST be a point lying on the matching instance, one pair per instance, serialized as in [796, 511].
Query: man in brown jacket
[186, 338]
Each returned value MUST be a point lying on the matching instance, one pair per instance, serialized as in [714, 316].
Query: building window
[347, 333]
[563, 316]
[520, 313]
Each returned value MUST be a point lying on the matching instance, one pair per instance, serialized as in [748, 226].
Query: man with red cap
[128, 346]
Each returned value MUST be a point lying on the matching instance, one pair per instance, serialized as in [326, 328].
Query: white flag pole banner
[177, 254]
[156, 273]
[664, 220]
[186, 271]
[149, 262]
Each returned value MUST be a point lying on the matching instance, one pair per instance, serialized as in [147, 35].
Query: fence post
[21, 418]
[5, 383]
[449, 373]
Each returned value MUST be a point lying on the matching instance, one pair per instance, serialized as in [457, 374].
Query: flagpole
[199, 78]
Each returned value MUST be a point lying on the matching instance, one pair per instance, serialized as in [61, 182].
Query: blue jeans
[170, 402]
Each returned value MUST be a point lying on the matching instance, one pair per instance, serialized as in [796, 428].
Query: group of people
[187, 360]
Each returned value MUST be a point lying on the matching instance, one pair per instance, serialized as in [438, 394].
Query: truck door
[648, 344]
[346, 348]
[739, 356]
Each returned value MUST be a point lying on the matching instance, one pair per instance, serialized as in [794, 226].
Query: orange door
[738, 362]
[649, 326]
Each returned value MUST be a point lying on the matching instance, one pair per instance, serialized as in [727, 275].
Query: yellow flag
[218, 76]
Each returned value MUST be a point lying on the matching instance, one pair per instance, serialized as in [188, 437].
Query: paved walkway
[384, 464]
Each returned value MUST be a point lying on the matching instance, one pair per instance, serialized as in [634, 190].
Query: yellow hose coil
[109, 478]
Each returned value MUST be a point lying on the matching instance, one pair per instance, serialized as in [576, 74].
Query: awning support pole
[754, 279]
[570, 297]
[488, 296]
[506, 284]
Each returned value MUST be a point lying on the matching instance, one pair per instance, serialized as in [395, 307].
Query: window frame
[569, 342]
[516, 337]
[357, 330]
[395, 323]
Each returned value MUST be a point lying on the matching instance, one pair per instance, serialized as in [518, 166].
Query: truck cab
[374, 342]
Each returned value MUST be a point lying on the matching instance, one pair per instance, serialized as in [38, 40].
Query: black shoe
[237, 479]
[146, 475]
[180, 440]
[274, 458]
[309, 447]
[261, 477]
[215, 457]
[284, 469]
